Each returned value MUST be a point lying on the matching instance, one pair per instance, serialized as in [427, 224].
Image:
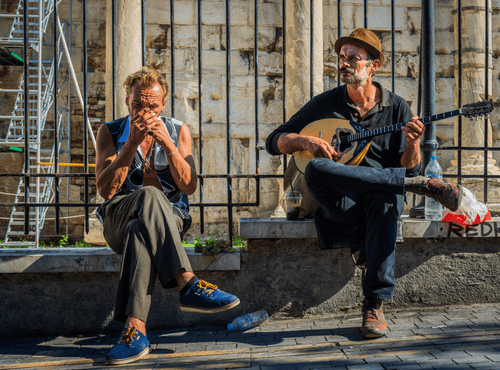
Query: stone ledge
[280, 228]
[95, 260]
[408, 228]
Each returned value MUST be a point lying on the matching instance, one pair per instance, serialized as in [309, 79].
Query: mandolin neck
[387, 129]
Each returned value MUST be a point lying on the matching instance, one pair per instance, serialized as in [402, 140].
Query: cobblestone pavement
[454, 337]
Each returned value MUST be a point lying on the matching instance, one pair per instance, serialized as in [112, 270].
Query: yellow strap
[65, 164]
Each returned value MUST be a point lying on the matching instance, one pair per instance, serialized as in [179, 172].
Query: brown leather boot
[374, 325]
[446, 194]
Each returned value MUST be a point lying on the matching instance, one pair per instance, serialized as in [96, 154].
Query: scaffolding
[39, 124]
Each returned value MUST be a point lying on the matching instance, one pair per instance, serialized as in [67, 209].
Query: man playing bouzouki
[370, 194]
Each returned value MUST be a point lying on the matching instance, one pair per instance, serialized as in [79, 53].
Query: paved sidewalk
[454, 338]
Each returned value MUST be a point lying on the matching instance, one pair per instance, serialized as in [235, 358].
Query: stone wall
[270, 94]
[280, 276]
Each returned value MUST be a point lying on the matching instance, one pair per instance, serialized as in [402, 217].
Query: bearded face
[355, 66]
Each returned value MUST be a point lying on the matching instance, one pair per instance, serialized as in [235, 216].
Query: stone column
[298, 52]
[473, 89]
[128, 51]
[298, 59]
[128, 60]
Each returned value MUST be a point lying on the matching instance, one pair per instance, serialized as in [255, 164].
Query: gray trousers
[142, 227]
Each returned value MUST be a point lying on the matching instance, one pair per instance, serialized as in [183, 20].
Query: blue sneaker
[132, 346]
[207, 298]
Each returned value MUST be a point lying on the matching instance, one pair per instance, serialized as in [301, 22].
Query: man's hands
[141, 123]
[146, 122]
[413, 130]
[290, 143]
[320, 148]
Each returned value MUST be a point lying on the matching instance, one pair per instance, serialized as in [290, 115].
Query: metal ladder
[41, 98]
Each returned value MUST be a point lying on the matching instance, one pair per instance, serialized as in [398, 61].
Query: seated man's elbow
[106, 195]
[190, 188]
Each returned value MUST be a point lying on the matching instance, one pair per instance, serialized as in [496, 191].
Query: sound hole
[340, 144]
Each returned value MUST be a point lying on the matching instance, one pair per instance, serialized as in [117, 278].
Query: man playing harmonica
[145, 171]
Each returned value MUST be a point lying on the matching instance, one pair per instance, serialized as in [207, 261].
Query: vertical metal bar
[365, 12]
[68, 154]
[39, 114]
[56, 116]
[256, 79]
[228, 119]
[113, 46]
[486, 92]
[393, 46]
[284, 61]
[284, 77]
[311, 67]
[460, 86]
[429, 107]
[37, 58]
[172, 60]
[418, 211]
[85, 114]
[419, 98]
[26, 116]
[339, 34]
[200, 115]
[143, 32]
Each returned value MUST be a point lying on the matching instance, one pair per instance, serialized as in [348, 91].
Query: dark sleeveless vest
[119, 130]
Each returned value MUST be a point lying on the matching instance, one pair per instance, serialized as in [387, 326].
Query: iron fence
[425, 104]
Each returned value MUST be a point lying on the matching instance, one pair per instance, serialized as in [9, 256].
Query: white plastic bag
[470, 212]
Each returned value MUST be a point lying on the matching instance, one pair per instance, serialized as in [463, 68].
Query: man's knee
[152, 197]
[134, 226]
[149, 191]
[315, 172]
[312, 172]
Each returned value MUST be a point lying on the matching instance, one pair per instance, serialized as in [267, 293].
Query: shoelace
[128, 335]
[371, 312]
[207, 287]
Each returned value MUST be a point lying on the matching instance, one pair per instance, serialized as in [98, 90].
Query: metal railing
[425, 102]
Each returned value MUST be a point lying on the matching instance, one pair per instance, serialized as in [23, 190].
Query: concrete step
[55, 260]
[408, 228]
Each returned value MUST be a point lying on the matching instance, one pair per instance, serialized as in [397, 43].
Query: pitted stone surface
[95, 260]
[408, 228]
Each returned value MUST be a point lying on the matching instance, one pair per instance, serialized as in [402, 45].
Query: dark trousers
[143, 228]
[369, 196]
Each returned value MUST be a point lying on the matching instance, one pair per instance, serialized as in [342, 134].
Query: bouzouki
[351, 140]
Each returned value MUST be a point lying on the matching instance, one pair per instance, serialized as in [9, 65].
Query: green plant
[64, 241]
[238, 241]
[213, 239]
[197, 242]
[82, 244]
